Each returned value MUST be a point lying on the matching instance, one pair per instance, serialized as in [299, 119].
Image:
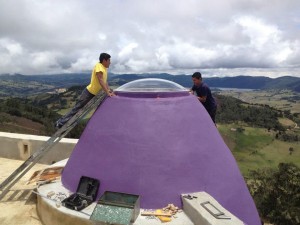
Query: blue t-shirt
[203, 90]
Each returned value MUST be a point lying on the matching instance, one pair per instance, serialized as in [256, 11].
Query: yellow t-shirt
[94, 87]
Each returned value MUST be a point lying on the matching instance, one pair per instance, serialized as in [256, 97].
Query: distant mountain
[24, 85]
[57, 80]
[242, 82]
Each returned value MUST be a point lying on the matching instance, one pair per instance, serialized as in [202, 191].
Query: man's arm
[203, 94]
[192, 90]
[104, 85]
[108, 88]
[202, 99]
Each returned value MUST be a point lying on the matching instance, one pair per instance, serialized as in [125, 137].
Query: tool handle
[155, 214]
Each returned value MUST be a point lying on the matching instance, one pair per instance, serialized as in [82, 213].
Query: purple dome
[158, 144]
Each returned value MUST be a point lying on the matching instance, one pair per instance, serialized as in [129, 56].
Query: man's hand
[202, 99]
[110, 94]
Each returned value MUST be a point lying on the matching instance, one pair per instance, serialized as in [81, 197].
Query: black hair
[104, 56]
[197, 75]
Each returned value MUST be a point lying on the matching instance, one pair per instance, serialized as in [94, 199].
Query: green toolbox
[116, 208]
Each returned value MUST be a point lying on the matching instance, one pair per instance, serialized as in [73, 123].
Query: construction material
[162, 218]
[50, 194]
[46, 174]
[171, 209]
[63, 131]
[39, 183]
[165, 214]
[57, 203]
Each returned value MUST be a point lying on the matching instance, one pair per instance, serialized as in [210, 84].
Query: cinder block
[203, 209]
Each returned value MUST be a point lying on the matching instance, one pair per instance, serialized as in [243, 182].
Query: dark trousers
[212, 114]
[84, 98]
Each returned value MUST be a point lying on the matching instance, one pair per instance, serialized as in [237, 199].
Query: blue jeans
[84, 98]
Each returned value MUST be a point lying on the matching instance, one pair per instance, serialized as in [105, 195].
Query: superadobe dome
[156, 140]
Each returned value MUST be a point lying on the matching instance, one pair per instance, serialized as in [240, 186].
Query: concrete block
[201, 208]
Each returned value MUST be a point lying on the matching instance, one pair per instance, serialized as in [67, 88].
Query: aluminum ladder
[58, 135]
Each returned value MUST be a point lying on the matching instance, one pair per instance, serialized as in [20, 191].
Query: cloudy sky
[218, 38]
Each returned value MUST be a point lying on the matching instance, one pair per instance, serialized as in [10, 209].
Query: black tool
[190, 197]
[86, 193]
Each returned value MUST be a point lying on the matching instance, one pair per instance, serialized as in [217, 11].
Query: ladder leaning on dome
[59, 134]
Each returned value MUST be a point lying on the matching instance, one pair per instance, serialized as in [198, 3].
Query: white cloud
[44, 59]
[8, 50]
[259, 33]
[127, 50]
[266, 40]
[12, 47]
[144, 36]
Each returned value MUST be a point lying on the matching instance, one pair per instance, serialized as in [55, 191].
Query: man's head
[104, 59]
[197, 78]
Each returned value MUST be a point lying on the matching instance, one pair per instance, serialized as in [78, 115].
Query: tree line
[231, 110]
[21, 107]
[37, 110]
[276, 193]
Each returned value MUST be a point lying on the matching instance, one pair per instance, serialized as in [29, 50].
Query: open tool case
[116, 208]
[86, 193]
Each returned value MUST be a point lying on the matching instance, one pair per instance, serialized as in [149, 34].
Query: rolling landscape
[258, 117]
[19, 85]
[260, 132]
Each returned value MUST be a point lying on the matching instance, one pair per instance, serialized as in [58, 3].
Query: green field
[256, 148]
[10, 88]
[282, 100]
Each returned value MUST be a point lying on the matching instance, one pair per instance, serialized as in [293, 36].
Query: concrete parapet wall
[21, 146]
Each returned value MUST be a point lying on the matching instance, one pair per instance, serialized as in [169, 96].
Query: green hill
[26, 85]
[256, 148]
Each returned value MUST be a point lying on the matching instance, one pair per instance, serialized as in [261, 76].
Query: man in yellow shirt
[98, 82]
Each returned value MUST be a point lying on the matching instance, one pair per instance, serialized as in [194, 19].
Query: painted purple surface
[159, 148]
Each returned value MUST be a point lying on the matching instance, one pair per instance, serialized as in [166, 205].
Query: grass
[256, 148]
[282, 100]
[286, 122]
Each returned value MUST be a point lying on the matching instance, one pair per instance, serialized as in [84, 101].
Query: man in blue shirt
[204, 95]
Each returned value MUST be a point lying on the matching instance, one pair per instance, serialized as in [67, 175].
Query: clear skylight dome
[151, 85]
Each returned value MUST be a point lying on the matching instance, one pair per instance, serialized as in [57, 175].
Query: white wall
[21, 146]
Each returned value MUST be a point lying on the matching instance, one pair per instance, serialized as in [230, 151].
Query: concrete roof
[19, 205]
